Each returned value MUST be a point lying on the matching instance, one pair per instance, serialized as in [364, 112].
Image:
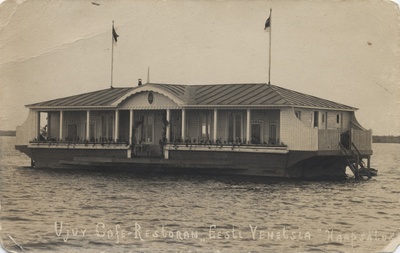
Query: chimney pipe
[139, 82]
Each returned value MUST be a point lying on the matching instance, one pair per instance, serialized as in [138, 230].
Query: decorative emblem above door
[150, 97]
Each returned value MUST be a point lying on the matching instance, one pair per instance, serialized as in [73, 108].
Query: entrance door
[255, 133]
[175, 128]
[72, 132]
[148, 144]
[146, 129]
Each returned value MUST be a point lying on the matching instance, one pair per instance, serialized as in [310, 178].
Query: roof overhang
[70, 108]
[114, 107]
[327, 108]
[264, 107]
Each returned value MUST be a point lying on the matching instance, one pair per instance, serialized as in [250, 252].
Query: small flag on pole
[114, 34]
[267, 23]
[269, 27]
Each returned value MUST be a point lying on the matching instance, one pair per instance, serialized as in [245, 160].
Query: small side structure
[246, 129]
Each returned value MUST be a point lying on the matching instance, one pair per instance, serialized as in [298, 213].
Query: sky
[345, 51]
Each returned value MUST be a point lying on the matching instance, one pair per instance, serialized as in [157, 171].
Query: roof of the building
[259, 94]
[103, 97]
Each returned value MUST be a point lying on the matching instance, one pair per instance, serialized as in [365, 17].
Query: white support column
[248, 126]
[130, 126]
[183, 124]
[88, 125]
[116, 132]
[215, 124]
[61, 125]
[38, 125]
[129, 155]
[168, 128]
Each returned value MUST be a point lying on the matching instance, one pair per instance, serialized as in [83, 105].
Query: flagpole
[270, 34]
[112, 53]
[148, 74]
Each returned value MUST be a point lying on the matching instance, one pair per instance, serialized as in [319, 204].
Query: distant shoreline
[385, 139]
[375, 138]
[7, 133]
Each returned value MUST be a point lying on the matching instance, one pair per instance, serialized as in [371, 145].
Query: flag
[267, 23]
[114, 34]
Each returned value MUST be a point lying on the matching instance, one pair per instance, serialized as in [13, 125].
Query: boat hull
[290, 164]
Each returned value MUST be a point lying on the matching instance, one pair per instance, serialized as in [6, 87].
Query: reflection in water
[94, 211]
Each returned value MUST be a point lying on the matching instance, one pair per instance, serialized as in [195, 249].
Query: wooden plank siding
[328, 139]
[332, 120]
[307, 118]
[295, 134]
[362, 139]
[346, 118]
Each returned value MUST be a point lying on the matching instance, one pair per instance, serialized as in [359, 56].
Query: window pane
[110, 126]
[230, 127]
[316, 119]
[272, 134]
[238, 126]
[149, 132]
[298, 114]
[92, 131]
[103, 127]
[204, 126]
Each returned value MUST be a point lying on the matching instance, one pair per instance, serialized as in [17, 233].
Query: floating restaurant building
[245, 129]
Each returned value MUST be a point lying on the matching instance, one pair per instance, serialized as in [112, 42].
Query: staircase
[355, 162]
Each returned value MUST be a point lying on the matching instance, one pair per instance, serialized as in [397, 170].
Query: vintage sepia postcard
[199, 126]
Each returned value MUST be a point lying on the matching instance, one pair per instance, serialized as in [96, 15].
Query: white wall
[27, 131]
[295, 134]
[307, 118]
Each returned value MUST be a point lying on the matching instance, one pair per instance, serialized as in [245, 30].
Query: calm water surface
[89, 211]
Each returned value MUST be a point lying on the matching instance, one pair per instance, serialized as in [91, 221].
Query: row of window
[235, 128]
[145, 130]
[316, 115]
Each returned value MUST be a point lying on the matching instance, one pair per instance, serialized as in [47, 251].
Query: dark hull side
[294, 164]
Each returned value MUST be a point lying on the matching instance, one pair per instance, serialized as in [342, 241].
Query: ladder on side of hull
[356, 163]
